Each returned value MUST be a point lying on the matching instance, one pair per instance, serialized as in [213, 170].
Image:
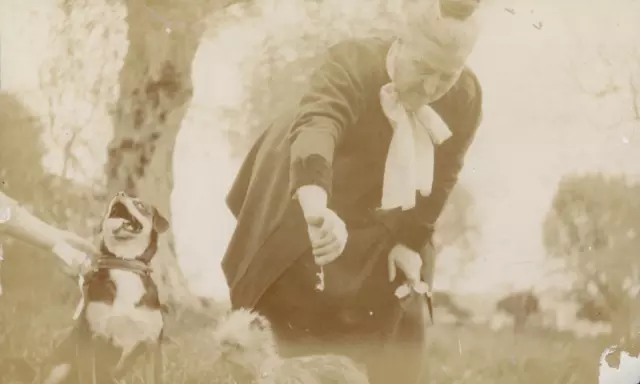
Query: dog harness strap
[134, 266]
[84, 292]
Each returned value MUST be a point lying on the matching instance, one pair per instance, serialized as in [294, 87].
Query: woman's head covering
[458, 9]
[442, 34]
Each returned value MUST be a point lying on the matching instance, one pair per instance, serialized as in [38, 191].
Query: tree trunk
[155, 92]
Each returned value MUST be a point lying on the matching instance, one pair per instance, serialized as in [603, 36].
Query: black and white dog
[121, 317]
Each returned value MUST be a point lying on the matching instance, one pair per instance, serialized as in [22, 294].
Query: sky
[538, 125]
[534, 131]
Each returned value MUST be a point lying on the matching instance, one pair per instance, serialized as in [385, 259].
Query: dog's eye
[140, 205]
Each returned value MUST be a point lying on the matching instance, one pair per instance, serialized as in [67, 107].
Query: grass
[37, 305]
[483, 356]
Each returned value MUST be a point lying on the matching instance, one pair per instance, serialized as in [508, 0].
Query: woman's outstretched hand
[327, 231]
[328, 235]
[75, 251]
[78, 242]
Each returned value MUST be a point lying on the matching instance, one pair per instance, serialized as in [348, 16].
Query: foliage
[79, 82]
[458, 225]
[55, 199]
[520, 305]
[594, 221]
[591, 310]
[592, 212]
[29, 274]
[445, 301]
[290, 37]
[593, 225]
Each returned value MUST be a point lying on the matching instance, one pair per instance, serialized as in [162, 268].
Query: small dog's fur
[122, 318]
[246, 343]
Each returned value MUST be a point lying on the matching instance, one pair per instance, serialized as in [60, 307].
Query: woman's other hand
[408, 261]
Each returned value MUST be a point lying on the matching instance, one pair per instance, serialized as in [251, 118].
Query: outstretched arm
[19, 223]
[336, 97]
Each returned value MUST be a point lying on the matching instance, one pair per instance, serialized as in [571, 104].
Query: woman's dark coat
[336, 137]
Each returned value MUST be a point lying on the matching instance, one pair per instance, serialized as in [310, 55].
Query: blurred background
[167, 96]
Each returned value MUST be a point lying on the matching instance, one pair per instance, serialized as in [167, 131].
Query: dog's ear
[160, 223]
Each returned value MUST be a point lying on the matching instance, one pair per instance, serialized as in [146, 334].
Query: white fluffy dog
[247, 345]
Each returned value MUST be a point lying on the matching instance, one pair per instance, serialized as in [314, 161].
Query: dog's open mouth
[120, 211]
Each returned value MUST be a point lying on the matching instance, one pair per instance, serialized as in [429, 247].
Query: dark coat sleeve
[337, 94]
[462, 111]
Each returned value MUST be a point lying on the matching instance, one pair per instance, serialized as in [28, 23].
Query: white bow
[410, 161]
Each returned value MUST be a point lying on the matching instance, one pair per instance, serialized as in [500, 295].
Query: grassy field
[37, 305]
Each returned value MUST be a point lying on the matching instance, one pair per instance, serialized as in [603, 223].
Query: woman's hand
[78, 242]
[75, 261]
[75, 251]
[408, 261]
[328, 235]
[327, 231]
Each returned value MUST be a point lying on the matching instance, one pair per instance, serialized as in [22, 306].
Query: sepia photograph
[319, 192]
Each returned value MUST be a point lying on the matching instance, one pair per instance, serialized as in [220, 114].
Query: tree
[458, 225]
[592, 311]
[155, 92]
[520, 305]
[593, 226]
[123, 69]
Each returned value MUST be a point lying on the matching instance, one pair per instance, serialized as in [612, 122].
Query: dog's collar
[106, 261]
[110, 262]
